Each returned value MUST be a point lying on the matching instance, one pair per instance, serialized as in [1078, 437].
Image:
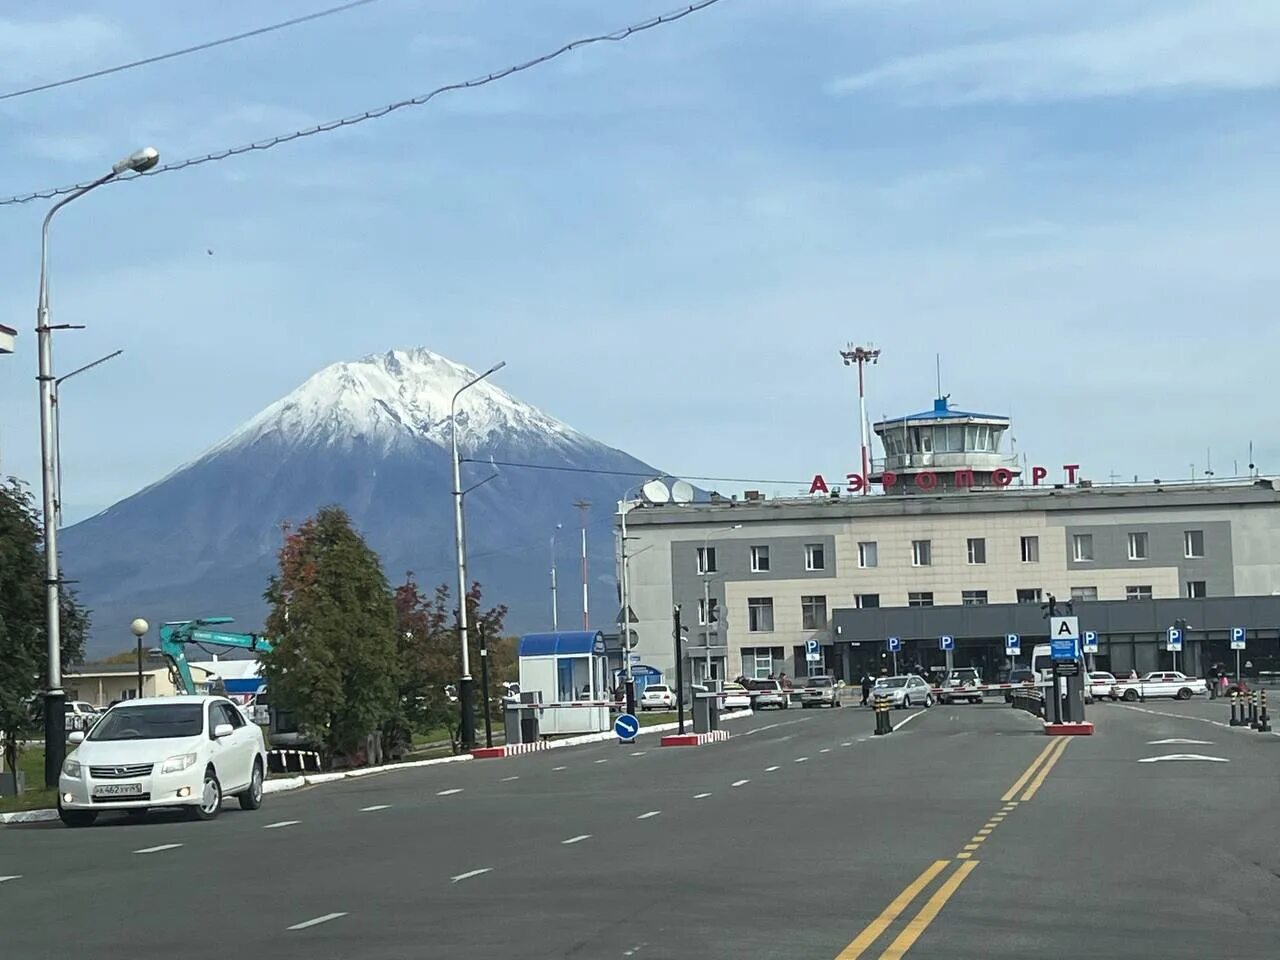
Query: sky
[668, 239]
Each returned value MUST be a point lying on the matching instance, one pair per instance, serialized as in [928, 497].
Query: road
[965, 833]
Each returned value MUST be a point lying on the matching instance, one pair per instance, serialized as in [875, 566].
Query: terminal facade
[950, 535]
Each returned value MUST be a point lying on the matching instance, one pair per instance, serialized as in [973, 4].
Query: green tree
[431, 659]
[23, 649]
[334, 664]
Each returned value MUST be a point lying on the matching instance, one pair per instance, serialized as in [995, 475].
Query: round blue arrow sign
[626, 726]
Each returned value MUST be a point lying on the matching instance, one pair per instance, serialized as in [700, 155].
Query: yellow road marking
[971, 846]
[1044, 771]
[920, 922]
[984, 831]
[963, 856]
[1027, 774]
[872, 931]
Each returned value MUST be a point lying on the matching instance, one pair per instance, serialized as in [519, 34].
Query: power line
[379, 112]
[207, 45]
[632, 473]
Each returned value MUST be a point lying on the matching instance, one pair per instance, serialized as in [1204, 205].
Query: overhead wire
[560, 468]
[197, 48]
[378, 112]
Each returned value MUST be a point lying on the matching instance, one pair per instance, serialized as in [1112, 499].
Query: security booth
[571, 668]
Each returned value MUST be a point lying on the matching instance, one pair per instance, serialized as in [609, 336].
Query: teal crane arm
[175, 636]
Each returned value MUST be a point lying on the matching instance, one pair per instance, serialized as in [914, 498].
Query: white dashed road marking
[470, 873]
[509, 779]
[639, 753]
[554, 769]
[701, 796]
[605, 760]
[770, 769]
[578, 839]
[281, 823]
[16, 876]
[801, 759]
[825, 750]
[846, 744]
[646, 816]
[163, 846]
[316, 921]
[446, 793]
[376, 806]
[738, 783]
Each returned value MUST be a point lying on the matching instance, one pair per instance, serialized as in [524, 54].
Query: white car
[657, 696]
[1100, 684]
[735, 697]
[905, 691]
[188, 752]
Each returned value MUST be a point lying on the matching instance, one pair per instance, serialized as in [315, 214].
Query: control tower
[942, 441]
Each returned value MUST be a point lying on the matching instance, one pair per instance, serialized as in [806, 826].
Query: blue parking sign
[894, 644]
[946, 642]
[1237, 638]
[1012, 645]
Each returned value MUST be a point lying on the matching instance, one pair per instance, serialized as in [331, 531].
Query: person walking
[866, 687]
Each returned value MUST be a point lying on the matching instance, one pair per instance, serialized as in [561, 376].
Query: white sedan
[657, 696]
[187, 752]
[1100, 684]
[735, 697]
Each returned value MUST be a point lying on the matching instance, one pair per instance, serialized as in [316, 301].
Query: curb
[314, 779]
[694, 739]
[487, 752]
[1083, 729]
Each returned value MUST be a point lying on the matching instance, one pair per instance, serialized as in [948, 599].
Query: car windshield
[158, 721]
[891, 682]
[819, 681]
[655, 688]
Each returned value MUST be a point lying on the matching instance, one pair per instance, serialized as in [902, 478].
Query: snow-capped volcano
[371, 435]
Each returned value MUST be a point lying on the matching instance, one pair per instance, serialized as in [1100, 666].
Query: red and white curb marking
[694, 739]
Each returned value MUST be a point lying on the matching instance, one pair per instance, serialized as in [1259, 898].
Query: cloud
[1201, 46]
[40, 50]
[67, 149]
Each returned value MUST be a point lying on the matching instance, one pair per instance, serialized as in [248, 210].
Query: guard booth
[571, 668]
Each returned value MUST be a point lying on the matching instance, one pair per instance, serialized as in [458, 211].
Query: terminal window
[759, 559]
[920, 599]
[1029, 595]
[1140, 592]
[1084, 593]
[813, 613]
[1137, 546]
[977, 550]
[760, 614]
[1082, 546]
[706, 560]
[973, 598]
[1196, 589]
[814, 557]
[714, 604]
[1030, 549]
[867, 554]
[866, 601]
[921, 553]
[1193, 543]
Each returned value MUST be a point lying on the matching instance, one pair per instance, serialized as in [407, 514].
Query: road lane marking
[872, 931]
[578, 839]
[825, 750]
[469, 874]
[920, 922]
[738, 783]
[316, 921]
[1027, 774]
[1157, 743]
[847, 743]
[905, 720]
[701, 796]
[605, 760]
[985, 831]
[16, 876]
[801, 759]
[553, 769]
[376, 806]
[970, 847]
[448, 793]
[509, 779]
[646, 816]
[964, 855]
[1183, 756]
[281, 823]
[639, 753]
[163, 846]
[862, 739]
[1044, 770]
[770, 769]
[771, 726]
[1012, 805]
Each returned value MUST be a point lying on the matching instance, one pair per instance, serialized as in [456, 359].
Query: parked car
[79, 714]
[904, 691]
[188, 751]
[1160, 683]
[769, 693]
[1020, 676]
[961, 684]
[658, 696]
[735, 697]
[1100, 684]
[819, 692]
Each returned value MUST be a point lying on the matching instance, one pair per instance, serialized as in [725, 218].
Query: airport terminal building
[950, 535]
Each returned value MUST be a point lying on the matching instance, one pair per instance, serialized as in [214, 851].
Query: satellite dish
[655, 491]
[682, 492]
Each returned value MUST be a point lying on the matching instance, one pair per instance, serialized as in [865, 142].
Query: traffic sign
[1064, 628]
[626, 726]
[946, 642]
[1174, 643]
[811, 646]
[1012, 645]
[1064, 649]
[1090, 639]
[812, 652]
[1237, 638]
[894, 644]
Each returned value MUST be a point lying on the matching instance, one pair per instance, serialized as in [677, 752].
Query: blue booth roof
[942, 411]
[565, 643]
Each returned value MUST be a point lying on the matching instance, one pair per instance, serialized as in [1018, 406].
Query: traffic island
[509, 750]
[694, 739]
[1082, 729]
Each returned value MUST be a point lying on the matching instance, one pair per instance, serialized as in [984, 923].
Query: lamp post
[55, 742]
[861, 356]
[467, 724]
[57, 428]
[139, 628]
[555, 606]
[706, 609]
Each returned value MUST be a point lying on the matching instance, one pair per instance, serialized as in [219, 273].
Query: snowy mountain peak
[402, 396]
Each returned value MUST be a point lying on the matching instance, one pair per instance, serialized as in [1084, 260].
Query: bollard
[1235, 708]
[1264, 722]
[1253, 710]
[882, 716]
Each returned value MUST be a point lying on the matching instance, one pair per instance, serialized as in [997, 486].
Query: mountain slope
[373, 436]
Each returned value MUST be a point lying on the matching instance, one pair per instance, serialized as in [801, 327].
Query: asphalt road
[966, 833]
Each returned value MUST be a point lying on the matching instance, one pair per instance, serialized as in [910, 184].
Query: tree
[430, 658]
[334, 663]
[23, 644]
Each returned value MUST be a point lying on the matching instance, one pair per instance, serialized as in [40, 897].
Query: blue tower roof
[941, 411]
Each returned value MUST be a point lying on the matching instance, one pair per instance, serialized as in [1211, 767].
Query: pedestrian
[866, 687]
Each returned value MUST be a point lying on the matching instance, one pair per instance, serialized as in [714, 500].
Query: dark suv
[1018, 676]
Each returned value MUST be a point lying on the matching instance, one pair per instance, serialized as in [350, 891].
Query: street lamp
[57, 429]
[54, 725]
[555, 607]
[862, 356]
[706, 611]
[467, 726]
[139, 628]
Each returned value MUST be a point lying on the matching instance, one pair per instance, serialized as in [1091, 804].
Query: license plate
[118, 790]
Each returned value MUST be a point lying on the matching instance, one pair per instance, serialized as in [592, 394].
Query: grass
[31, 762]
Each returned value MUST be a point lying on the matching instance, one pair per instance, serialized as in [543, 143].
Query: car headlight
[178, 764]
[70, 768]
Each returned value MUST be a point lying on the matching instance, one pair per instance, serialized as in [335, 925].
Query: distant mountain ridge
[371, 435]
